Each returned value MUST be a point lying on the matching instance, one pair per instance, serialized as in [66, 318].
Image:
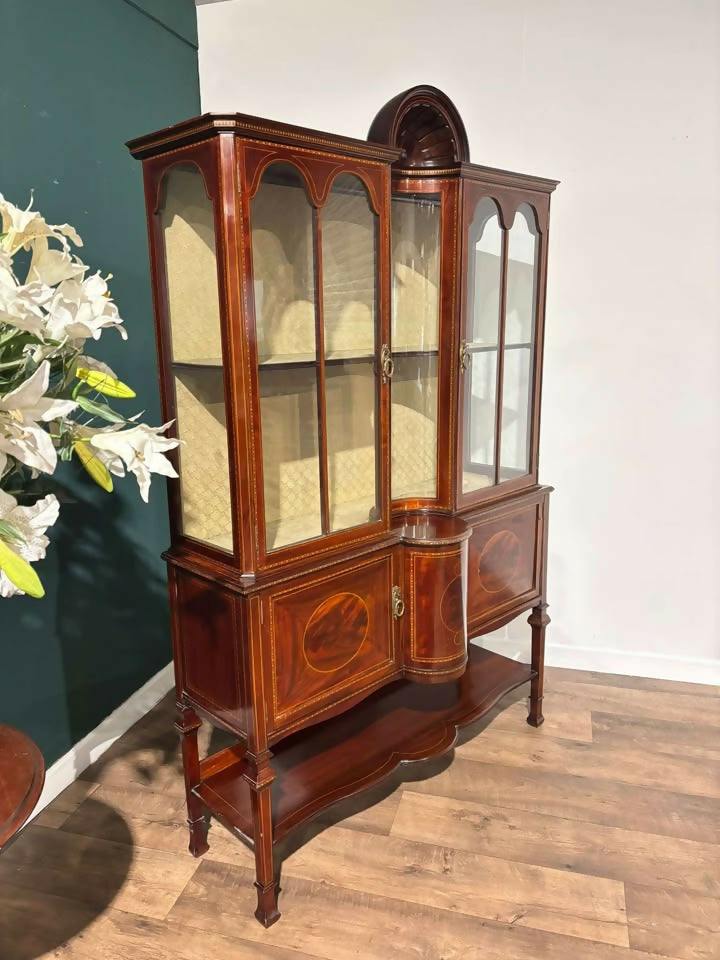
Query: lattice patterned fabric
[294, 490]
[415, 310]
[351, 477]
[189, 232]
[349, 279]
[414, 453]
[204, 461]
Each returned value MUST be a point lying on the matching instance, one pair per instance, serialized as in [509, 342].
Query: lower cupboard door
[331, 639]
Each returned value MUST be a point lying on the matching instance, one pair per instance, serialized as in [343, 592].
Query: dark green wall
[80, 77]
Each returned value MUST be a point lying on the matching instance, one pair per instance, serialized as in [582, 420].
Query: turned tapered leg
[538, 620]
[260, 777]
[187, 725]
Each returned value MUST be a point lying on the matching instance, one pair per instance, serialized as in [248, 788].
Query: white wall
[620, 100]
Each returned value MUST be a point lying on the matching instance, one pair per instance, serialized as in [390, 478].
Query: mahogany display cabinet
[350, 343]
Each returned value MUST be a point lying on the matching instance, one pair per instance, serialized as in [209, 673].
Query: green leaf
[19, 572]
[99, 410]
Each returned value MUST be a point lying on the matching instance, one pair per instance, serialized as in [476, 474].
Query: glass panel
[415, 337]
[291, 461]
[188, 227]
[480, 407]
[519, 342]
[283, 267]
[414, 427]
[484, 282]
[484, 274]
[349, 270]
[284, 286]
[416, 272]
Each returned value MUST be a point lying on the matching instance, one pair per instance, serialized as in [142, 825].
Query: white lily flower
[90, 363]
[107, 457]
[142, 450]
[21, 411]
[21, 305]
[7, 277]
[52, 266]
[24, 227]
[82, 309]
[31, 523]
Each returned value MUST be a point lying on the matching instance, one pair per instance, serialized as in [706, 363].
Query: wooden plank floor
[596, 837]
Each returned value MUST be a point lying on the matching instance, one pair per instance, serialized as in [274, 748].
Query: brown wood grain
[460, 881]
[95, 872]
[579, 847]
[686, 738]
[483, 860]
[22, 774]
[699, 776]
[674, 923]
[342, 924]
[666, 812]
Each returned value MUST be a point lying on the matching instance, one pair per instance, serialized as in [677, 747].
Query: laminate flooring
[596, 837]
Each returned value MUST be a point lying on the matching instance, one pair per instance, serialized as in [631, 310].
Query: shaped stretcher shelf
[404, 722]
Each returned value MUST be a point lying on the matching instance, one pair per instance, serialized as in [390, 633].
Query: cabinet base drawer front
[330, 638]
[437, 621]
[503, 562]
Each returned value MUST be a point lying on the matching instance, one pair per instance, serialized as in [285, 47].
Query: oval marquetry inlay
[335, 632]
[451, 607]
[499, 560]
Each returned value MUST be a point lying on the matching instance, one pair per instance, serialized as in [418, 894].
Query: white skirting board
[631, 663]
[69, 767]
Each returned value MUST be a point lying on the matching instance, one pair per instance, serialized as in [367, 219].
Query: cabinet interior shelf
[284, 361]
[401, 723]
[485, 347]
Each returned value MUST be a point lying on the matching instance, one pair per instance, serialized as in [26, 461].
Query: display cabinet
[350, 346]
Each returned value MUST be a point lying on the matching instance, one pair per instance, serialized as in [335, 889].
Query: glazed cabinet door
[183, 199]
[422, 341]
[330, 640]
[499, 350]
[318, 328]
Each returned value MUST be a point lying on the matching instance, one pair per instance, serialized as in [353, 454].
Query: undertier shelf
[401, 723]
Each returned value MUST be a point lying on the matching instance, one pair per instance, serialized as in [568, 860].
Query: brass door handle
[387, 364]
[398, 604]
[464, 356]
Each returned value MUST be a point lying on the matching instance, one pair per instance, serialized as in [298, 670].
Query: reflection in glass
[519, 340]
[349, 270]
[188, 228]
[515, 436]
[521, 278]
[485, 273]
[415, 337]
[480, 407]
[484, 296]
[284, 274]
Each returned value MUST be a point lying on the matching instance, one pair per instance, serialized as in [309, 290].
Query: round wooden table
[22, 774]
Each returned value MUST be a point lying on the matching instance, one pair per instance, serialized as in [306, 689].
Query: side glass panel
[519, 345]
[349, 295]
[285, 322]
[188, 228]
[415, 336]
[484, 295]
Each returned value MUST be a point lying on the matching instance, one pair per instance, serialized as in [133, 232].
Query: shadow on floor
[54, 885]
